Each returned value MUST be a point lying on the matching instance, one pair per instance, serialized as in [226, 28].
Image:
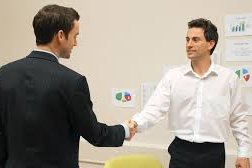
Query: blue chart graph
[239, 27]
[243, 74]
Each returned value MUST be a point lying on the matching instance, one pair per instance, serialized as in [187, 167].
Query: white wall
[122, 44]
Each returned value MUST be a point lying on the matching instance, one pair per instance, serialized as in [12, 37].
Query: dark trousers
[186, 154]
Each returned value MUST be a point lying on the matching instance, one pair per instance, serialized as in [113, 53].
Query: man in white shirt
[204, 101]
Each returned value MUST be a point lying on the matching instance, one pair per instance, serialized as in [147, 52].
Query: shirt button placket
[199, 92]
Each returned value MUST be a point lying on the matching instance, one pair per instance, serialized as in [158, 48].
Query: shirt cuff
[127, 131]
[243, 152]
[141, 125]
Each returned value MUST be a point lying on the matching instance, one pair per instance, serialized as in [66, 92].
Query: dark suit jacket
[44, 109]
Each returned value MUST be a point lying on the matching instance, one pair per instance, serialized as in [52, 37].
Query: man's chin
[190, 56]
[65, 56]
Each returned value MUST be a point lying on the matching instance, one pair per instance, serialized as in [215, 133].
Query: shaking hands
[132, 128]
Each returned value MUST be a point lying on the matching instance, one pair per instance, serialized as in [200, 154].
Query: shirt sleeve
[238, 121]
[156, 107]
[127, 131]
[84, 121]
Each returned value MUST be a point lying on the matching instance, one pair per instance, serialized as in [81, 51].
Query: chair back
[133, 161]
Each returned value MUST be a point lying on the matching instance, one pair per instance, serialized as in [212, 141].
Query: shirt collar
[213, 69]
[37, 49]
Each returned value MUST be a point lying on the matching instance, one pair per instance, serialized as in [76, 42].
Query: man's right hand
[132, 128]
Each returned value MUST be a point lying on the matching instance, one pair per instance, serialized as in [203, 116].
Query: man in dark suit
[44, 106]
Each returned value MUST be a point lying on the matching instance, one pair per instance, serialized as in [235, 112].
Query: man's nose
[75, 43]
[189, 43]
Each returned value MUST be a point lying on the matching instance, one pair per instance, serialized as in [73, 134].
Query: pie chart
[123, 96]
[246, 74]
[243, 74]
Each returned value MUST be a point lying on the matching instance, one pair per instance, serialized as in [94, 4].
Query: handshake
[132, 128]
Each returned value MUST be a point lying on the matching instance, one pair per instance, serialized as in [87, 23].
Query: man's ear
[60, 36]
[211, 44]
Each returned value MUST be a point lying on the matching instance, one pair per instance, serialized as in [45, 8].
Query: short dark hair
[210, 30]
[51, 19]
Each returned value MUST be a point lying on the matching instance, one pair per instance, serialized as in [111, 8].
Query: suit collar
[42, 55]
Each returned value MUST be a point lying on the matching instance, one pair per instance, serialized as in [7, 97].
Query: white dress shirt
[200, 108]
[37, 49]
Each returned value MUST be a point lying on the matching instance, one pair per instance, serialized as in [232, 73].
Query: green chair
[133, 161]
